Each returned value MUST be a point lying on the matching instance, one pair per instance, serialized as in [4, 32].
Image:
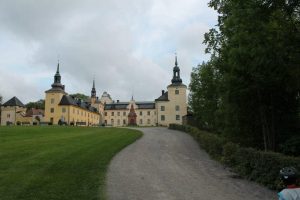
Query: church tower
[93, 93]
[52, 99]
[171, 105]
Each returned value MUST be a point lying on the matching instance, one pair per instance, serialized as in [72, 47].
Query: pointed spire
[93, 92]
[176, 63]
[57, 70]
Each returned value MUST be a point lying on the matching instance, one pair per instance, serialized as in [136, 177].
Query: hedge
[259, 166]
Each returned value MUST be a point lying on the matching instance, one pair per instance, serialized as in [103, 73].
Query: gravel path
[166, 164]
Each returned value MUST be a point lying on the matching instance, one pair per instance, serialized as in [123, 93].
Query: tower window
[177, 117]
[63, 110]
[162, 108]
[52, 101]
[141, 113]
[52, 110]
[148, 112]
[105, 113]
[112, 113]
[162, 118]
[176, 91]
[177, 108]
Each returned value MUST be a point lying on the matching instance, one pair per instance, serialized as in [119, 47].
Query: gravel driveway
[166, 164]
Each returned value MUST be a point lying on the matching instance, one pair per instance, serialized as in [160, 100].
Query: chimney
[162, 92]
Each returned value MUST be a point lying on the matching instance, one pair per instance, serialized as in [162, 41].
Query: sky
[127, 46]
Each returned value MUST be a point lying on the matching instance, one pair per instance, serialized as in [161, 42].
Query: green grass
[57, 163]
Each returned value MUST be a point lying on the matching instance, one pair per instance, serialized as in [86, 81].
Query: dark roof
[34, 111]
[69, 100]
[56, 89]
[145, 105]
[14, 102]
[163, 97]
[116, 106]
[177, 84]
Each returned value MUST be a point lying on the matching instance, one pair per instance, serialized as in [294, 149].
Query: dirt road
[167, 165]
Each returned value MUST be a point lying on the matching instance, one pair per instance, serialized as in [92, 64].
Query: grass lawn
[51, 163]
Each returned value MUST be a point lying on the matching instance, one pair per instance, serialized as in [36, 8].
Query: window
[162, 108]
[176, 91]
[148, 112]
[124, 121]
[177, 108]
[105, 113]
[118, 122]
[52, 110]
[112, 122]
[8, 115]
[112, 113]
[148, 121]
[105, 121]
[141, 113]
[124, 113]
[177, 117]
[63, 110]
[118, 113]
[162, 118]
[141, 121]
[52, 101]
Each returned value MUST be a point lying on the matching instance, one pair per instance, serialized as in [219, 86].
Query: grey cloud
[127, 45]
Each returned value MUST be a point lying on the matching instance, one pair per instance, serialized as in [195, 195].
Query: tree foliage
[256, 51]
[80, 96]
[40, 104]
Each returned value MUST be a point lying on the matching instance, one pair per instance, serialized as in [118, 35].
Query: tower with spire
[53, 97]
[93, 91]
[176, 73]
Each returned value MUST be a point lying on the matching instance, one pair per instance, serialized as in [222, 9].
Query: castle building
[168, 108]
[12, 112]
[60, 108]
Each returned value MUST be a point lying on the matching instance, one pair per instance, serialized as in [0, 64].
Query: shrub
[262, 167]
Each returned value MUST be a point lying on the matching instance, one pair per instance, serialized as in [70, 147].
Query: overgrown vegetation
[58, 162]
[249, 91]
[260, 166]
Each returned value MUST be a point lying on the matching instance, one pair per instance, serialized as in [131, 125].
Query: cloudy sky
[128, 46]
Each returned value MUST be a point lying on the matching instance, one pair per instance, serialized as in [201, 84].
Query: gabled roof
[67, 100]
[14, 102]
[34, 111]
[116, 106]
[163, 97]
[145, 105]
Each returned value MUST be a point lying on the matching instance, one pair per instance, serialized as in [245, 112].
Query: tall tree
[256, 46]
[204, 96]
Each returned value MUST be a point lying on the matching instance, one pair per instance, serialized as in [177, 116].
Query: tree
[256, 52]
[204, 97]
[40, 104]
[80, 96]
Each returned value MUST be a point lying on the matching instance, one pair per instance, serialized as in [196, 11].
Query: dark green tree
[40, 104]
[204, 97]
[256, 51]
[80, 96]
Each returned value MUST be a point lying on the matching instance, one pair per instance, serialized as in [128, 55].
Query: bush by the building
[260, 166]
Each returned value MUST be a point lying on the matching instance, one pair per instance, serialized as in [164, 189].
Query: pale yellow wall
[170, 106]
[75, 114]
[51, 101]
[10, 113]
[117, 117]
[68, 113]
